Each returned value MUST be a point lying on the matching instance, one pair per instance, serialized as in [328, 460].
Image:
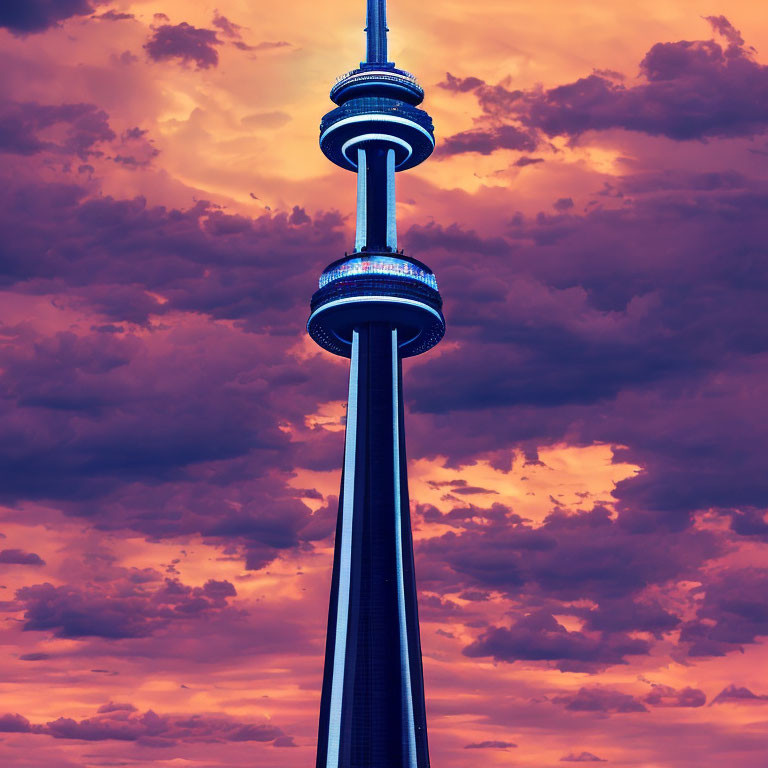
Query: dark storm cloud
[739, 695]
[113, 252]
[184, 43]
[20, 557]
[628, 616]
[539, 637]
[148, 728]
[692, 90]
[615, 326]
[723, 27]
[118, 610]
[27, 16]
[688, 90]
[491, 745]
[600, 699]
[11, 723]
[169, 420]
[573, 557]
[666, 696]
[750, 522]
[733, 613]
[460, 84]
[23, 127]
[486, 141]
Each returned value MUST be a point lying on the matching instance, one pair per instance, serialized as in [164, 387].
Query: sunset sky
[588, 458]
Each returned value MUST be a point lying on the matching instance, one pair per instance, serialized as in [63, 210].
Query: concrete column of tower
[391, 202]
[361, 234]
[376, 204]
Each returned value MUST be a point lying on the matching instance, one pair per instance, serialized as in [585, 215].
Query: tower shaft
[375, 306]
[372, 711]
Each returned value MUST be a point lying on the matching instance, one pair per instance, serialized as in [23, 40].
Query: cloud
[739, 695]
[460, 84]
[589, 327]
[131, 420]
[723, 27]
[119, 610]
[689, 90]
[185, 43]
[28, 128]
[539, 637]
[23, 17]
[491, 745]
[732, 613]
[602, 700]
[582, 757]
[628, 615]
[226, 27]
[666, 696]
[484, 142]
[10, 723]
[148, 728]
[573, 557]
[19, 557]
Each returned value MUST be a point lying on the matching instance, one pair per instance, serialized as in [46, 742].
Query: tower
[376, 307]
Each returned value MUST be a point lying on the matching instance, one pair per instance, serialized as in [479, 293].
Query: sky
[587, 447]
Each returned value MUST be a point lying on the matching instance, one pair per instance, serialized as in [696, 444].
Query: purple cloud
[19, 557]
[24, 17]
[486, 141]
[22, 125]
[582, 757]
[738, 695]
[10, 723]
[602, 700]
[733, 613]
[185, 43]
[723, 27]
[588, 555]
[118, 610]
[460, 84]
[148, 729]
[539, 637]
[689, 90]
[491, 745]
[666, 696]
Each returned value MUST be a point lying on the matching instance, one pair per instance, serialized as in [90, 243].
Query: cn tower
[375, 306]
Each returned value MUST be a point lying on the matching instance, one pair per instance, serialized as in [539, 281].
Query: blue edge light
[380, 265]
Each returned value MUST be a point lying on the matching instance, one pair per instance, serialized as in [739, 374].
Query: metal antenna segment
[376, 51]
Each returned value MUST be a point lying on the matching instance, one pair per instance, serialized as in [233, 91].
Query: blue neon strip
[374, 300]
[409, 726]
[375, 117]
[391, 209]
[361, 235]
[380, 265]
[377, 137]
[345, 563]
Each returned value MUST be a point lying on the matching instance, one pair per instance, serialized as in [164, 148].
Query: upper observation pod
[377, 103]
[376, 130]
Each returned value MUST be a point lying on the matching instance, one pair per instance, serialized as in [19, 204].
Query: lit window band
[380, 265]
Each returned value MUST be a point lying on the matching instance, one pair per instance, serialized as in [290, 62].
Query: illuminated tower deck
[375, 306]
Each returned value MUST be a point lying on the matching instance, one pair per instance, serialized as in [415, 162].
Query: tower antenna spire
[376, 29]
